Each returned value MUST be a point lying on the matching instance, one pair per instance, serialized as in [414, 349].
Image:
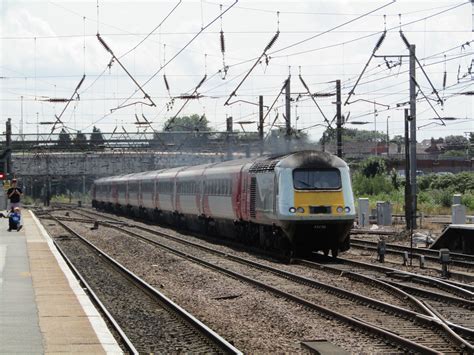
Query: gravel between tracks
[255, 321]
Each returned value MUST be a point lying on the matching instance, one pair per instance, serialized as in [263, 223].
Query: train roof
[307, 159]
[311, 159]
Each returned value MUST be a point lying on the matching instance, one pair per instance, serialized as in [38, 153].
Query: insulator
[201, 82]
[222, 42]
[104, 44]
[380, 41]
[80, 83]
[272, 41]
[444, 80]
[404, 39]
[166, 83]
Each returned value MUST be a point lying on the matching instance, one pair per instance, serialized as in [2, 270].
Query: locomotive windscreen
[316, 179]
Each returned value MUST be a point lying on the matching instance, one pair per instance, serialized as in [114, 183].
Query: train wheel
[326, 252]
[334, 252]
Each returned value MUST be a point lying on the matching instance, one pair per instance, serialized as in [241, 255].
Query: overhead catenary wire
[335, 28]
[314, 100]
[247, 90]
[267, 47]
[376, 48]
[58, 118]
[367, 36]
[182, 49]
[108, 49]
[429, 103]
[271, 107]
[149, 34]
[225, 68]
[407, 43]
[172, 119]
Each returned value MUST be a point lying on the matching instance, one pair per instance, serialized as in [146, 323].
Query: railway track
[410, 331]
[146, 318]
[442, 296]
[456, 259]
[450, 302]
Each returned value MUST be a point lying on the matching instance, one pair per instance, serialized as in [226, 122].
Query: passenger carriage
[297, 202]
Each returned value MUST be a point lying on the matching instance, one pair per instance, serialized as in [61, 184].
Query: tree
[354, 135]
[373, 166]
[456, 143]
[96, 140]
[80, 142]
[64, 139]
[187, 123]
[471, 144]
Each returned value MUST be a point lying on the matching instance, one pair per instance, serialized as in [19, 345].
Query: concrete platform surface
[43, 309]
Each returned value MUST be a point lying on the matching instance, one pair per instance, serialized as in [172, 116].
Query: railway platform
[43, 309]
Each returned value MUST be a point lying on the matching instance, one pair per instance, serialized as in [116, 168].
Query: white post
[458, 214]
[363, 213]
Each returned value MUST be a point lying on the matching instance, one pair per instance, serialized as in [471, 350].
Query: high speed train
[293, 204]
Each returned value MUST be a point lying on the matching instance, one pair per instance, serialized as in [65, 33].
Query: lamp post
[388, 139]
[375, 129]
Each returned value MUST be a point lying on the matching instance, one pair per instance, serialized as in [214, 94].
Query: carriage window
[187, 187]
[147, 187]
[215, 187]
[317, 179]
[165, 187]
[133, 187]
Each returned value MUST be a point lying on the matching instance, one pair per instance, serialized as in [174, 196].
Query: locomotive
[292, 204]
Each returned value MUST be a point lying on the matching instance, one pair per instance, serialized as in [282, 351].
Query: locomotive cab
[315, 202]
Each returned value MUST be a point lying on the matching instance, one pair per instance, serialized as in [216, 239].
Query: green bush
[442, 197]
[468, 200]
[425, 181]
[435, 191]
[460, 183]
[378, 184]
[373, 166]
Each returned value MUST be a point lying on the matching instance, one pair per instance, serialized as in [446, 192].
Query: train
[291, 204]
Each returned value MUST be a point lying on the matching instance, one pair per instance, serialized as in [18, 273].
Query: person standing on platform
[14, 194]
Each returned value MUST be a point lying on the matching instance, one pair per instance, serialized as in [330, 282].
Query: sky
[48, 46]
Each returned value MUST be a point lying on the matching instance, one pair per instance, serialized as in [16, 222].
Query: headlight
[339, 209]
[300, 210]
[348, 209]
[292, 210]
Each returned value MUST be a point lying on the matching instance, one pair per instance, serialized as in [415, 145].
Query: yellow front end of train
[316, 204]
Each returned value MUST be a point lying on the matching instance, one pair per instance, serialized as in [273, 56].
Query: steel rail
[458, 259]
[390, 288]
[441, 284]
[408, 344]
[460, 331]
[130, 347]
[462, 302]
[426, 320]
[212, 336]
[466, 332]
[445, 284]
